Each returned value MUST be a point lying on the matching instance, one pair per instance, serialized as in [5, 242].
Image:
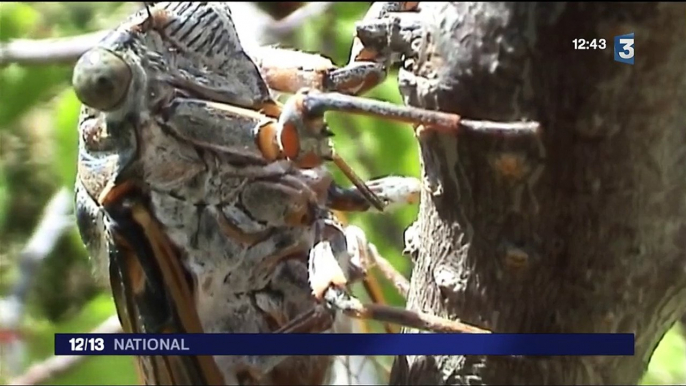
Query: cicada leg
[369, 258]
[384, 32]
[302, 135]
[305, 111]
[393, 191]
[359, 252]
[289, 71]
[339, 259]
[350, 248]
[351, 306]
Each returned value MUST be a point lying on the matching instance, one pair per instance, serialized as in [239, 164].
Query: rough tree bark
[579, 229]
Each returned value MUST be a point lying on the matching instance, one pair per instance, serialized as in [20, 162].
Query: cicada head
[114, 85]
[117, 82]
[115, 76]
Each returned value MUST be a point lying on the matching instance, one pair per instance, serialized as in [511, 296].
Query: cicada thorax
[239, 233]
[199, 41]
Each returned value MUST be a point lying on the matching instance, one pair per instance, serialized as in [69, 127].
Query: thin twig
[356, 369]
[65, 50]
[507, 128]
[253, 25]
[53, 366]
[419, 320]
[400, 282]
[30, 52]
[286, 26]
[54, 223]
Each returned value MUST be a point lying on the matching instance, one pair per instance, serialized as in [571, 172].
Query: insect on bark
[211, 203]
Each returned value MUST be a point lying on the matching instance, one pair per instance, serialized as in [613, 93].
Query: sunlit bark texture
[579, 229]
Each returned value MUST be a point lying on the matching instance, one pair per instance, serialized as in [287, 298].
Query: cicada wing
[137, 313]
[151, 290]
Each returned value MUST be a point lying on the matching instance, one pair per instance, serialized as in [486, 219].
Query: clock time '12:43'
[589, 44]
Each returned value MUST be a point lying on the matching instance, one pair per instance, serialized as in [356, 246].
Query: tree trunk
[581, 228]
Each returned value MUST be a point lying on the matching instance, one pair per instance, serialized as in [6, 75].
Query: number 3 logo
[627, 47]
[624, 48]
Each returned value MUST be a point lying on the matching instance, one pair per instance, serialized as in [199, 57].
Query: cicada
[211, 204]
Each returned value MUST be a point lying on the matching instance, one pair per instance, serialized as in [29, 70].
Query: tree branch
[254, 27]
[54, 223]
[54, 366]
[580, 228]
[28, 52]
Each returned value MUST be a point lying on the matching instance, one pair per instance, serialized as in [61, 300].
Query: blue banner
[344, 344]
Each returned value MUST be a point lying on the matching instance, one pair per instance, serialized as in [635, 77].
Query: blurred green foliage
[38, 117]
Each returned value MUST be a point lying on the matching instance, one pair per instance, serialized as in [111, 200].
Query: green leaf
[4, 194]
[16, 19]
[98, 370]
[667, 364]
[23, 87]
[349, 10]
[67, 113]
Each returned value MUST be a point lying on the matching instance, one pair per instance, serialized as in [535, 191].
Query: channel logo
[624, 48]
